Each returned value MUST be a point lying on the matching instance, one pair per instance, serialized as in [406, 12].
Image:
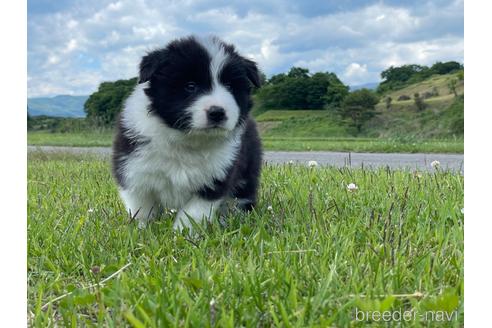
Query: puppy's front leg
[196, 209]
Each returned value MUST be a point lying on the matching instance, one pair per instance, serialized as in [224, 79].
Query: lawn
[82, 139]
[312, 254]
[389, 145]
[369, 145]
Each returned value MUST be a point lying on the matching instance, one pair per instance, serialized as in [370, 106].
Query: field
[389, 145]
[311, 254]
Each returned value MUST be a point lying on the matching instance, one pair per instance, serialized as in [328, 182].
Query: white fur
[196, 209]
[219, 96]
[169, 169]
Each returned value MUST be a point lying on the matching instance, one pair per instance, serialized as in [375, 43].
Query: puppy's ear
[252, 72]
[150, 64]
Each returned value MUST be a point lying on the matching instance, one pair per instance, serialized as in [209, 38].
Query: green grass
[282, 115]
[318, 254]
[439, 82]
[370, 145]
[389, 145]
[74, 139]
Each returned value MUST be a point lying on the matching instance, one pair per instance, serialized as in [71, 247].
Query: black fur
[122, 146]
[242, 178]
[168, 72]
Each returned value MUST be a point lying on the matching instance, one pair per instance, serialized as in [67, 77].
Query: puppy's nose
[216, 114]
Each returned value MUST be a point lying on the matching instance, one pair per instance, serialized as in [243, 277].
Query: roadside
[417, 161]
[277, 143]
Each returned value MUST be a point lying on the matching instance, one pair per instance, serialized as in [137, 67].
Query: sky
[73, 45]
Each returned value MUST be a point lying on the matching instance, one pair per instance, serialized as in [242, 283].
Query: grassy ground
[312, 254]
[435, 82]
[74, 139]
[371, 145]
[277, 143]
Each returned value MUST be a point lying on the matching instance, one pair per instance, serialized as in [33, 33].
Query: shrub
[419, 102]
[359, 107]
[388, 101]
[403, 97]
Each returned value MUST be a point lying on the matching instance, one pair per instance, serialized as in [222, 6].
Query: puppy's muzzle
[216, 115]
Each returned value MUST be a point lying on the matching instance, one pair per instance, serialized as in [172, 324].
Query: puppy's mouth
[215, 126]
[215, 130]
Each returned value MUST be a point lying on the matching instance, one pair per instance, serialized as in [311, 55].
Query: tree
[300, 90]
[336, 91]
[452, 86]
[104, 105]
[387, 101]
[359, 106]
[445, 68]
[277, 78]
[398, 77]
[298, 72]
[461, 75]
[419, 102]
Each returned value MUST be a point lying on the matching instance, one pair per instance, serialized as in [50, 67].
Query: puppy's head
[199, 84]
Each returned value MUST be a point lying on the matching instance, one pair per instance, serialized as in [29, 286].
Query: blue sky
[74, 45]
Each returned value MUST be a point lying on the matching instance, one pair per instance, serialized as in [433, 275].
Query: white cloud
[74, 50]
[355, 73]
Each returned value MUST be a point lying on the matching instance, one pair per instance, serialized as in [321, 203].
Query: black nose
[216, 114]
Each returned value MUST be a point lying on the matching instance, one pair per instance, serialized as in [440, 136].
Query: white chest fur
[173, 165]
[172, 173]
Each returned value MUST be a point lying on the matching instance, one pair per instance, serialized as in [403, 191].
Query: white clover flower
[352, 187]
[435, 164]
[90, 210]
[463, 210]
[270, 208]
[312, 163]
[173, 211]
[291, 162]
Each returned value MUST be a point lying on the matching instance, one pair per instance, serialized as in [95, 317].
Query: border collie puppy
[184, 138]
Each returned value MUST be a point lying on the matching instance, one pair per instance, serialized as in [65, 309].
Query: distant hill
[370, 86]
[58, 106]
[442, 118]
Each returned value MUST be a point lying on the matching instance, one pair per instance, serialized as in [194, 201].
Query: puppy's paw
[181, 222]
[142, 224]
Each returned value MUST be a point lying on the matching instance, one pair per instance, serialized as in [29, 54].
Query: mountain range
[370, 86]
[59, 106]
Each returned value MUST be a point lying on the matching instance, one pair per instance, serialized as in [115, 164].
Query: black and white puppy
[184, 138]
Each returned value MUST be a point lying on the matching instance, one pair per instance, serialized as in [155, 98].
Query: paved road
[453, 162]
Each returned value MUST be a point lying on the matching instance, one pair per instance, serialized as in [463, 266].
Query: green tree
[103, 106]
[336, 91]
[461, 75]
[452, 86]
[359, 106]
[395, 78]
[388, 101]
[277, 78]
[446, 67]
[298, 72]
[300, 90]
[419, 102]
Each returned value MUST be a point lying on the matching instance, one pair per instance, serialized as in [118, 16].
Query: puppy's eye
[191, 87]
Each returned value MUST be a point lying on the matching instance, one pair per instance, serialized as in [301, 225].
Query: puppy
[185, 139]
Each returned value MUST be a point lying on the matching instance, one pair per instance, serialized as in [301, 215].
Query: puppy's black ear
[252, 72]
[150, 64]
